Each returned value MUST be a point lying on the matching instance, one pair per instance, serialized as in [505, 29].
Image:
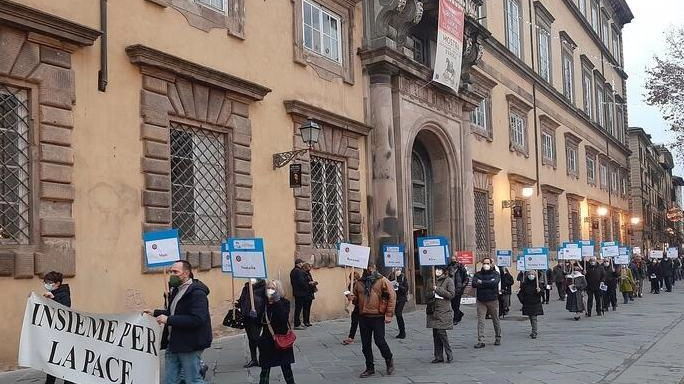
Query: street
[638, 343]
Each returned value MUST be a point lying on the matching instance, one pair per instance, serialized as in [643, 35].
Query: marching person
[401, 288]
[530, 296]
[459, 275]
[486, 281]
[545, 284]
[558, 277]
[440, 314]
[300, 291]
[276, 322]
[375, 297]
[639, 272]
[610, 296]
[56, 290]
[667, 271]
[187, 325]
[654, 276]
[253, 317]
[506, 290]
[312, 285]
[595, 276]
[355, 310]
[575, 284]
[626, 281]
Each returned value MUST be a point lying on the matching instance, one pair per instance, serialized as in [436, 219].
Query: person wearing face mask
[575, 284]
[56, 290]
[253, 318]
[558, 277]
[486, 281]
[506, 290]
[530, 296]
[187, 325]
[459, 275]
[596, 275]
[667, 273]
[440, 314]
[401, 287]
[627, 284]
[654, 276]
[275, 321]
[610, 295]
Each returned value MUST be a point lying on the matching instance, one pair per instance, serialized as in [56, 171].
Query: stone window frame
[587, 87]
[324, 67]
[572, 142]
[568, 47]
[603, 161]
[591, 153]
[339, 140]
[614, 169]
[205, 17]
[519, 107]
[483, 88]
[483, 177]
[549, 126]
[36, 50]
[600, 99]
[521, 54]
[574, 207]
[517, 182]
[544, 23]
[174, 90]
[620, 118]
[486, 132]
[551, 196]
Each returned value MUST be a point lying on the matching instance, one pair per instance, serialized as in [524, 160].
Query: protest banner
[448, 57]
[162, 248]
[89, 348]
[536, 258]
[655, 254]
[433, 251]
[636, 250]
[504, 258]
[352, 255]
[393, 256]
[247, 259]
[672, 253]
[465, 257]
[520, 264]
[572, 251]
[226, 267]
[587, 248]
[610, 249]
[623, 256]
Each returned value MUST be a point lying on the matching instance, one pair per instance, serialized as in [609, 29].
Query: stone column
[386, 225]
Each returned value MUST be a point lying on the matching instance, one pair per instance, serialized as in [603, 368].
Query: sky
[644, 38]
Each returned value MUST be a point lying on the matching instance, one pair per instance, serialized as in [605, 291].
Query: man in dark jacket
[487, 283]
[610, 295]
[300, 291]
[667, 271]
[596, 275]
[459, 274]
[187, 325]
[558, 276]
[59, 292]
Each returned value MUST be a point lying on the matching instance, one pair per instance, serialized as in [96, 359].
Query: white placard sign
[247, 258]
[672, 253]
[587, 248]
[431, 255]
[636, 250]
[352, 255]
[536, 258]
[225, 259]
[521, 264]
[162, 248]
[393, 256]
[655, 254]
[89, 348]
[573, 252]
[610, 249]
[504, 258]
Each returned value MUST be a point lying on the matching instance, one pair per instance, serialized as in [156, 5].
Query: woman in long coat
[530, 295]
[278, 314]
[575, 284]
[626, 281]
[441, 317]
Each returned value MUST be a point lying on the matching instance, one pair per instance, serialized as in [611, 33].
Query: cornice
[146, 56]
[521, 179]
[485, 168]
[548, 188]
[32, 20]
[574, 196]
[308, 111]
[574, 139]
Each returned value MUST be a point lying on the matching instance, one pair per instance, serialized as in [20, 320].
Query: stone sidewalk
[640, 342]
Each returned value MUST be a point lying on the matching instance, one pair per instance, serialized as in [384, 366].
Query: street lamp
[310, 131]
[526, 193]
[635, 220]
[602, 211]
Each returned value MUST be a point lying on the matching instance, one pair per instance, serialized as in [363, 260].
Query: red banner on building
[465, 257]
[448, 58]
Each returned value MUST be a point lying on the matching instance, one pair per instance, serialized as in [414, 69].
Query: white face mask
[397, 273]
[487, 267]
[49, 287]
[531, 277]
[270, 292]
[438, 273]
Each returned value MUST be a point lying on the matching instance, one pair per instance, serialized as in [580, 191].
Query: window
[595, 16]
[199, 198]
[587, 95]
[614, 182]
[624, 186]
[552, 227]
[479, 118]
[605, 30]
[600, 104]
[216, 4]
[568, 73]
[619, 120]
[548, 148]
[583, 7]
[14, 167]
[544, 50]
[327, 212]
[603, 175]
[322, 31]
[591, 170]
[518, 131]
[420, 193]
[616, 45]
[571, 153]
[481, 13]
[575, 226]
[513, 29]
[482, 224]
[609, 113]
[418, 50]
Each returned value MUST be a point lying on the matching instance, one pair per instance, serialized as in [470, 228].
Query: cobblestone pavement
[639, 343]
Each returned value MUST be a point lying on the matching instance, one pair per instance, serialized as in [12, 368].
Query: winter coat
[666, 268]
[62, 295]
[487, 284]
[654, 269]
[300, 284]
[311, 288]
[269, 356]
[460, 276]
[596, 274]
[259, 289]
[544, 282]
[443, 316]
[558, 275]
[380, 302]
[530, 298]
[611, 277]
[507, 283]
[401, 288]
[190, 323]
[574, 301]
[626, 281]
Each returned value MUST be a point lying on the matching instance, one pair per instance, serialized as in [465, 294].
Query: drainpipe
[534, 102]
[102, 73]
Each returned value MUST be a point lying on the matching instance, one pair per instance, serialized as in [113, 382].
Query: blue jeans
[183, 366]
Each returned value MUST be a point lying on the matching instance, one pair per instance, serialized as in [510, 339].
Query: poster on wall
[448, 57]
[393, 256]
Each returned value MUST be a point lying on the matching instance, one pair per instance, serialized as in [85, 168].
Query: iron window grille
[552, 227]
[15, 187]
[518, 131]
[199, 194]
[482, 224]
[327, 210]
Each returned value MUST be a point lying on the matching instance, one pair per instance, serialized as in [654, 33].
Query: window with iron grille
[521, 228]
[482, 224]
[605, 224]
[552, 227]
[15, 187]
[199, 195]
[420, 192]
[518, 131]
[327, 209]
[575, 231]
